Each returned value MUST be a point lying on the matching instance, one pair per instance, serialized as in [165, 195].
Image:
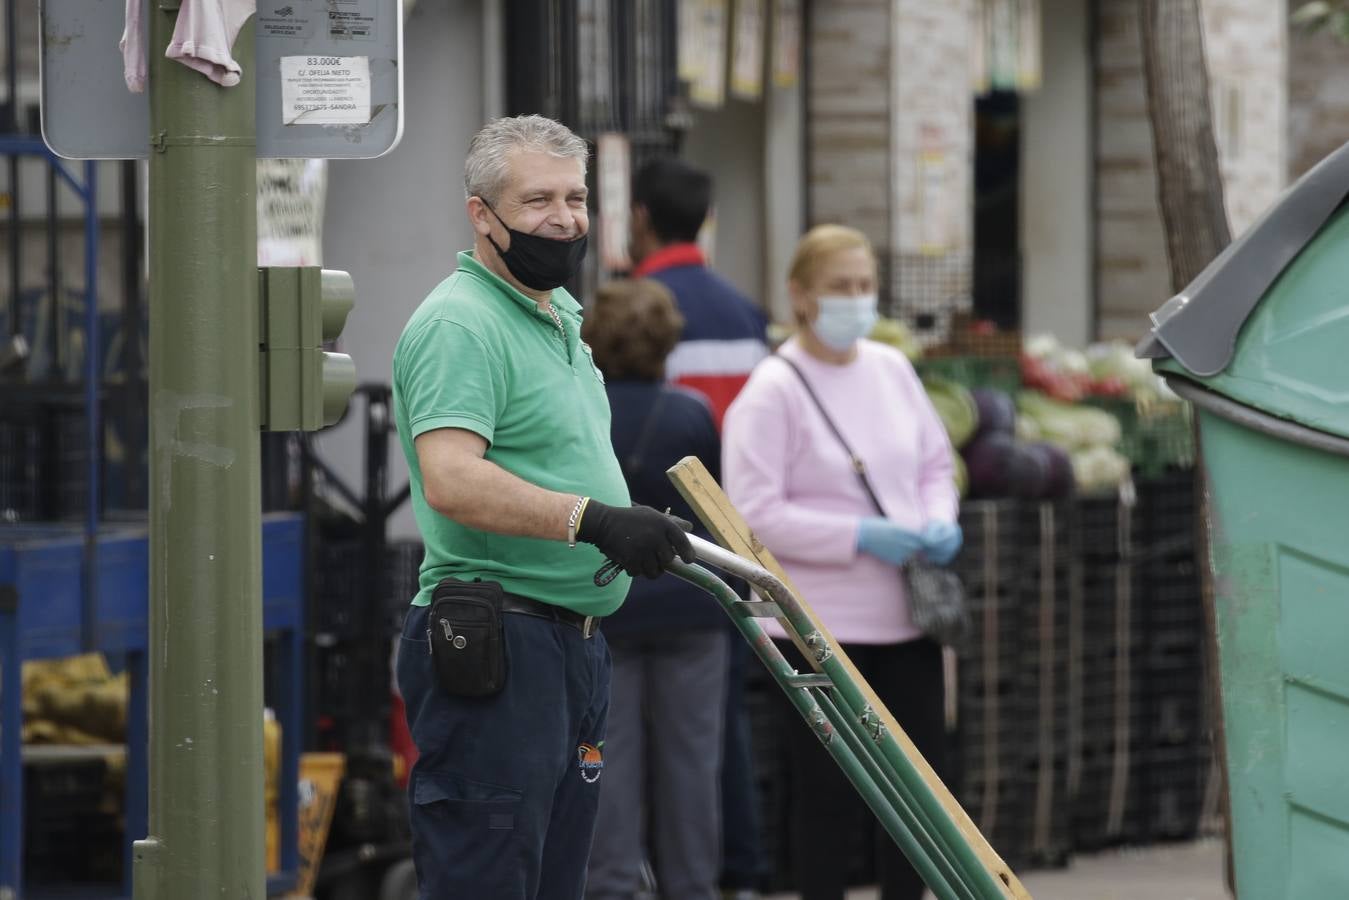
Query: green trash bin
[1260, 345]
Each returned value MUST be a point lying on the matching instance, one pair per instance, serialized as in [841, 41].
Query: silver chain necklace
[557, 320]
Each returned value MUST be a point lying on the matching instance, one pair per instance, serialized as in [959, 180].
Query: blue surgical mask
[843, 321]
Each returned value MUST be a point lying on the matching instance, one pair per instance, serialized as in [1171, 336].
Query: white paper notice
[325, 90]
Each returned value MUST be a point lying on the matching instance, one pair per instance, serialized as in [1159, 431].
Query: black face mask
[539, 263]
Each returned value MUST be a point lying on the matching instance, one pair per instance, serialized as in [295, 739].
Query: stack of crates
[403, 562]
[1144, 751]
[44, 457]
[338, 614]
[1175, 757]
[1049, 664]
[767, 715]
[1106, 808]
[72, 821]
[994, 729]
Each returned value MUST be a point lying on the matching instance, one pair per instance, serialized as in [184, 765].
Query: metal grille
[595, 65]
[926, 291]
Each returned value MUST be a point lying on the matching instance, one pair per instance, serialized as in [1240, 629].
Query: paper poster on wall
[1002, 52]
[786, 43]
[707, 87]
[979, 46]
[613, 178]
[936, 202]
[1028, 45]
[290, 199]
[748, 50]
[687, 37]
[325, 90]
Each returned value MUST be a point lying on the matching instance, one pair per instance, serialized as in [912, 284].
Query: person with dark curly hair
[661, 797]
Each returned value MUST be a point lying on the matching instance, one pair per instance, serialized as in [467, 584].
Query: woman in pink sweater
[792, 479]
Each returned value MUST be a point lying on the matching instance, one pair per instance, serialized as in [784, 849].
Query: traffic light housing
[304, 387]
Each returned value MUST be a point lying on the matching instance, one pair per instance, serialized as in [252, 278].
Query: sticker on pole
[325, 90]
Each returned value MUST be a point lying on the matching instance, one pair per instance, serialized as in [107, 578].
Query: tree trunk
[1190, 196]
[1189, 181]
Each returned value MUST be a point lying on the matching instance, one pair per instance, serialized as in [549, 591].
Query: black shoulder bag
[936, 594]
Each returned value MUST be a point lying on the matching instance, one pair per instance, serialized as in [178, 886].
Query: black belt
[514, 603]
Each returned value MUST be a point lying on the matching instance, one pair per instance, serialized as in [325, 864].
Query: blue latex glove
[885, 540]
[941, 541]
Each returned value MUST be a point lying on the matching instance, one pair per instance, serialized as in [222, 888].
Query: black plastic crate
[993, 539]
[1006, 694]
[978, 516]
[1172, 787]
[1170, 640]
[1049, 819]
[61, 789]
[44, 455]
[337, 585]
[402, 575]
[766, 712]
[1178, 617]
[1171, 675]
[1099, 523]
[1175, 720]
[1165, 492]
[994, 798]
[71, 834]
[1109, 806]
[1174, 586]
[85, 851]
[339, 582]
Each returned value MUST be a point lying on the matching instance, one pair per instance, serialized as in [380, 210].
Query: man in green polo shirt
[505, 424]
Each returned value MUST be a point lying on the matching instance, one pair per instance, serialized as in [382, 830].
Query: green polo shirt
[479, 355]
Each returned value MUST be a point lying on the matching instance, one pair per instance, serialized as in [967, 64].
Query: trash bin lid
[1267, 322]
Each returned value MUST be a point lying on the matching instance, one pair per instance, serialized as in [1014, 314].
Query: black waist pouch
[467, 645]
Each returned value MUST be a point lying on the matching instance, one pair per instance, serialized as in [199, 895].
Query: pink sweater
[791, 480]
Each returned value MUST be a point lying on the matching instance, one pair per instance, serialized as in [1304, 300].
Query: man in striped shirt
[723, 339]
[723, 335]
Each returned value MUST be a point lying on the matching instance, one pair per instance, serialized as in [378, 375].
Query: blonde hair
[820, 243]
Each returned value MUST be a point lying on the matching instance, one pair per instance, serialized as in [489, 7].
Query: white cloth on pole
[203, 37]
[132, 46]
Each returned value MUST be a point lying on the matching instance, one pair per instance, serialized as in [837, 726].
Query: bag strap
[633, 461]
[858, 466]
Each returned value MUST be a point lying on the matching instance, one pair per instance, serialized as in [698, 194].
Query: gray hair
[488, 153]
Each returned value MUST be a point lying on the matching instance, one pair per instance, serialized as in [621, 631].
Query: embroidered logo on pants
[591, 760]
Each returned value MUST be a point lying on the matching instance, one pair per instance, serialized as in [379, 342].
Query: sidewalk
[1190, 871]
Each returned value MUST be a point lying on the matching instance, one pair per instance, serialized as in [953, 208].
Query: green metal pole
[206, 759]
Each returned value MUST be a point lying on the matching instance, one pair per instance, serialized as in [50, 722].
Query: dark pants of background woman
[828, 816]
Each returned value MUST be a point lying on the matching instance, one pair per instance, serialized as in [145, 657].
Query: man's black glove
[638, 539]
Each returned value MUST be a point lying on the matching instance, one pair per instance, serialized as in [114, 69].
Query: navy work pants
[505, 789]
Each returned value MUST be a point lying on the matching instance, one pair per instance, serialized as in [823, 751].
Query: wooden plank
[730, 530]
